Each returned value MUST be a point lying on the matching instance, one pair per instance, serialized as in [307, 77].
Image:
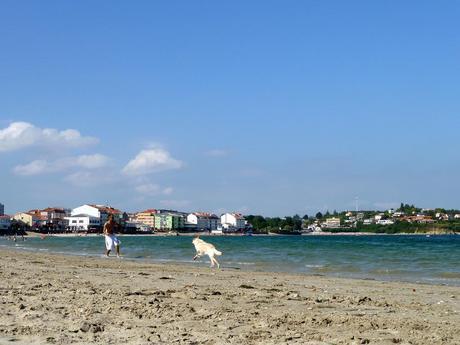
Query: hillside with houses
[405, 219]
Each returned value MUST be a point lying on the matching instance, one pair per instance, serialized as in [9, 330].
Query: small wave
[446, 281]
[314, 266]
[449, 275]
[240, 263]
[337, 269]
[326, 269]
[386, 271]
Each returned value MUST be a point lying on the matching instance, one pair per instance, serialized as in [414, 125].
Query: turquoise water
[433, 259]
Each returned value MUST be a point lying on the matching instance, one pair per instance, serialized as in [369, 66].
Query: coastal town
[89, 218]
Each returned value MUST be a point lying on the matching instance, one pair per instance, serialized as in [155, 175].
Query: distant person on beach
[110, 239]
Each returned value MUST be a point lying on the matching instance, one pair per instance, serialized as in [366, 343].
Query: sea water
[434, 259]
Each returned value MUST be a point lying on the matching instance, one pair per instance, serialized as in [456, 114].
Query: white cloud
[90, 178]
[20, 135]
[153, 189]
[150, 161]
[168, 191]
[33, 168]
[38, 167]
[150, 189]
[94, 161]
[81, 178]
[216, 153]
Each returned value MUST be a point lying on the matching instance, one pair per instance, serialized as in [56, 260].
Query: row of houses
[196, 221]
[91, 217]
[388, 218]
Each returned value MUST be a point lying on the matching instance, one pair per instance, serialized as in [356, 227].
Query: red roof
[205, 215]
[238, 215]
[33, 211]
[107, 209]
[55, 209]
[150, 210]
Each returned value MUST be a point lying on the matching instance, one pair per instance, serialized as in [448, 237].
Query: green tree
[258, 222]
[298, 224]
[289, 221]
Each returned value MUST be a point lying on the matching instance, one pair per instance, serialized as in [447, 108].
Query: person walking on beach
[110, 239]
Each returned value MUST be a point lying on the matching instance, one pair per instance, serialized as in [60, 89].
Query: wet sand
[56, 299]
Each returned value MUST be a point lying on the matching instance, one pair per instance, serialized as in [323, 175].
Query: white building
[203, 221]
[200, 222]
[2, 209]
[332, 222]
[5, 222]
[232, 221]
[379, 216]
[90, 210]
[442, 216]
[82, 222]
[351, 219]
[385, 222]
[97, 211]
[314, 228]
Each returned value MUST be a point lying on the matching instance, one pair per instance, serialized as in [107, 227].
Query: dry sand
[53, 299]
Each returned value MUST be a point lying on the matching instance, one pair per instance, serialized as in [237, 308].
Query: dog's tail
[216, 252]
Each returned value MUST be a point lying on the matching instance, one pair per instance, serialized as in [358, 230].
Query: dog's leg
[196, 256]
[212, 261]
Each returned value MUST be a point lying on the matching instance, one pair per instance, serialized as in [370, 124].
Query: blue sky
[269, 107]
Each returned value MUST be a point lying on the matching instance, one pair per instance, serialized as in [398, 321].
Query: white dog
[204, 248]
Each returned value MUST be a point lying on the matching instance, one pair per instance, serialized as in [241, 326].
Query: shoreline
[53, 298]
[156, 234]
[191, 264]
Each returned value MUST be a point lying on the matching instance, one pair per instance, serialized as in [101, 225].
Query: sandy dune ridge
[56, 299]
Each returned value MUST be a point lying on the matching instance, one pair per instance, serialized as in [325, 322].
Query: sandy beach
[56, 299]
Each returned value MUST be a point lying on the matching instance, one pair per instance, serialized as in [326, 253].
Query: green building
[169, 221]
